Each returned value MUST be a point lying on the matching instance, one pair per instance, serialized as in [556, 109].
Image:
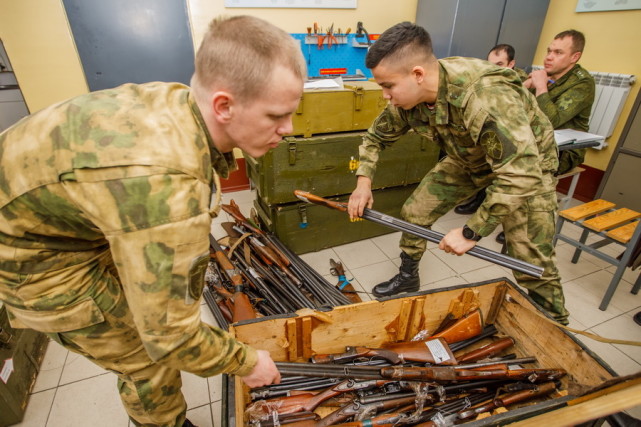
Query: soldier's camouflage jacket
[487, 122]
[568, 101]
[122, 174]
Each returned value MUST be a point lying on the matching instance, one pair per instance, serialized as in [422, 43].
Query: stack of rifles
[259, 276]
[439, 379]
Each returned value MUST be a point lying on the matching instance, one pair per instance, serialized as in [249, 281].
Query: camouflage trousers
[569, 159]
[529, 230]
[150, 392]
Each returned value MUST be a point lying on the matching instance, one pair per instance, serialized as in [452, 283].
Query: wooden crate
[372, 323]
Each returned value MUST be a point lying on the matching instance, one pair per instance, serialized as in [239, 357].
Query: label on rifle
[438, 350]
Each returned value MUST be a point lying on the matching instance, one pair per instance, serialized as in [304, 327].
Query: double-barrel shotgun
[425, 233]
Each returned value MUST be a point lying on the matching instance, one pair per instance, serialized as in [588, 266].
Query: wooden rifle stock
[343, 284]
[434, 351]
[243, 308]
[488, 350]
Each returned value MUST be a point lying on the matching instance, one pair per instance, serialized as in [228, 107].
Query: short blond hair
[239, 54]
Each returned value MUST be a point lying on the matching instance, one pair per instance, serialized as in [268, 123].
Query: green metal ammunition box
[325, 165]
[21, 352]
[338, 110]
[304, 227]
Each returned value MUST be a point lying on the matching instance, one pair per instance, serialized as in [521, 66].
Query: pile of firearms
[262, 277]
[442, 380]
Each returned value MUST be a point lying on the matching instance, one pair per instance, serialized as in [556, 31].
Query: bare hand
[454, 242]
[361, 198]
[264, 373]
[528, 83]
[539, 81]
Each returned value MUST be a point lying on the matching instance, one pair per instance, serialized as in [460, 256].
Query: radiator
[610, 94]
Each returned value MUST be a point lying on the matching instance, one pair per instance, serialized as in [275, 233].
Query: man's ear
[419, 73]
[222, 105]
[511, 64]
[575, 57]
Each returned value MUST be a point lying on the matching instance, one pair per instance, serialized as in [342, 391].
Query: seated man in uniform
[565, 91]
[495, 136]
[105, 214]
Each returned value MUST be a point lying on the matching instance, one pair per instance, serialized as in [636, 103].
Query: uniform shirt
[521, 73]
[568, 101]
[118, 177]
[487, 122]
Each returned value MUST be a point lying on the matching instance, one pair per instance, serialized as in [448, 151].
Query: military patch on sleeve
[496, 144]
[197, 276]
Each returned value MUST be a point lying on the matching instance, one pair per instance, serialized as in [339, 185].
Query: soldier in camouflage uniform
[105, 214]
[495, 136]
[565, 91]
[503, 56]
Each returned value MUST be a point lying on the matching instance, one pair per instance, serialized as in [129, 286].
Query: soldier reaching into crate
[105, 214]
[495, 136]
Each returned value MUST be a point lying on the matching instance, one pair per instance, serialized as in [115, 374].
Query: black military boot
[472, 204]
[405, 281]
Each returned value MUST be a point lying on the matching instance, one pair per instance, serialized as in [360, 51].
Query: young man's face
[400, 87]
[259, 124]
[500, 58]
[560, 57]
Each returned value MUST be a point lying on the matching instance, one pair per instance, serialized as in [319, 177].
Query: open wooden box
[372, 323]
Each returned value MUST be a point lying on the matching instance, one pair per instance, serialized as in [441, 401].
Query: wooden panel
[587, 209]
[611, 219]
[623, 234]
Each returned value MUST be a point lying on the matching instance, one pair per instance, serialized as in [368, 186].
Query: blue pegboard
[343, 55]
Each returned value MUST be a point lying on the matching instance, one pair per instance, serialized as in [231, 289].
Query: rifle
[509, 399]
[434, 351]
[343, 284]
[243, 308]
[356, 409]
[309, 401]
[469, 372]
[425, 233]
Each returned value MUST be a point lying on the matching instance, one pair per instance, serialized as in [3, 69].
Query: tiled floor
[71, 391]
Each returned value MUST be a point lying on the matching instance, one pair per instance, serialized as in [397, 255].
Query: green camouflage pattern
[495, 136]
[104, 223]
[521, 73]
[568, 104]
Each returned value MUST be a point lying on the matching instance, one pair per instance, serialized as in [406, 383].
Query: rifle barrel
[427, 234]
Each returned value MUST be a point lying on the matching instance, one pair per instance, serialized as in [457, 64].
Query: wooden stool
[614, 225]
[564, 202]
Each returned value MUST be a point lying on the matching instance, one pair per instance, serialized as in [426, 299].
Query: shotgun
[509, 399]
[434, 351]
[243, 308]
[309, 401]
[356, 409]
[425, 233]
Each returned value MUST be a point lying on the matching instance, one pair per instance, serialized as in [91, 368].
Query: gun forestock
[317, 200]
[352, 353]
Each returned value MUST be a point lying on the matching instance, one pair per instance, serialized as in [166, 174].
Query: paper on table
[336, 83]
[570, 136]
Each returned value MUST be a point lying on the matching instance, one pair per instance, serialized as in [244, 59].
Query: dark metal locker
[132, 41]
